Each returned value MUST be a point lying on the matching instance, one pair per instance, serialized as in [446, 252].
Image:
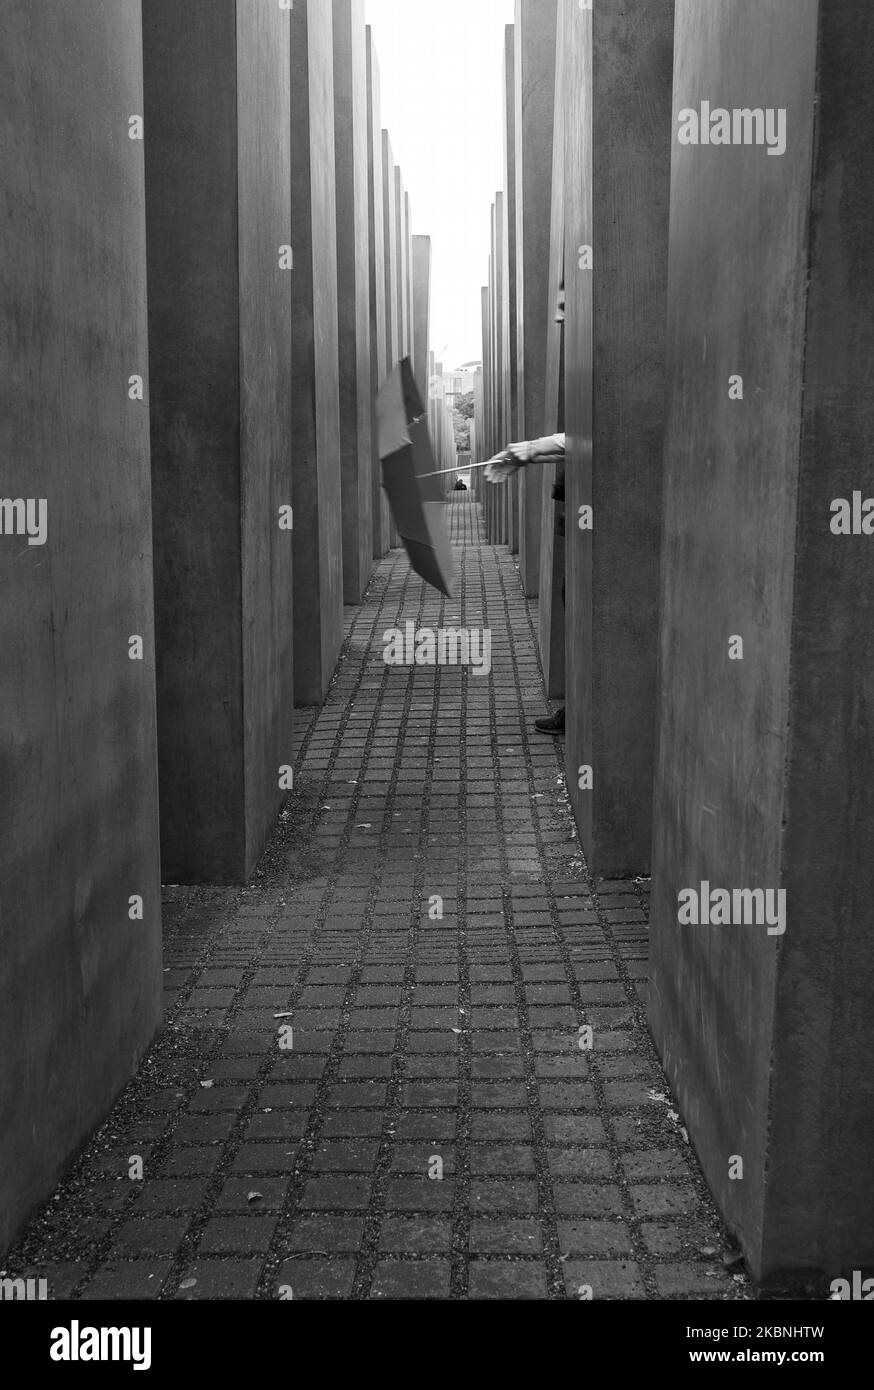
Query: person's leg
[553, 723]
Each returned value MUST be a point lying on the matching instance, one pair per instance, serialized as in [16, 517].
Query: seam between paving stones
[459, 1274]
[368, 1255]
[546, 1196]
[187, 1249]
[643, 1046]
[277, 1253]
[163, 1147]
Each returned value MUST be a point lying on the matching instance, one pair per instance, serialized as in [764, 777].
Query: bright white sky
[440, 65]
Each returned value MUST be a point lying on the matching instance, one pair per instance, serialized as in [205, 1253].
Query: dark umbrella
[409, 478]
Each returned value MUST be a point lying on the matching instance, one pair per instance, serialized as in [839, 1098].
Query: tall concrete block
[353, 293]
[535, 85]
[421, 283]
[502, 353]
[617, 176]
[551, 606]
[403, 265]
[411, 319]
[392, 253]
[510, 221]
[318, 550]
[376, 244]
[80, 984]
[765, 764]
[218, 207]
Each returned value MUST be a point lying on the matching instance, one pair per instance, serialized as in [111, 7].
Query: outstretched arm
[549, 449]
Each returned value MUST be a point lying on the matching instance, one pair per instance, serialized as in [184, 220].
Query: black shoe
[551, 724]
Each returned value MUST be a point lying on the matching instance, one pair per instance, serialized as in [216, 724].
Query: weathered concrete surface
[508, 307]
[510, 223]
[535, 78]
[765, 765]
[80, 985]
[403, 265]
[318, 550]
[551, 609]
[217, 103]
[392, 251]
[501, 374]
[353, 294]
[377, 254]
[486, 389]
[421, 282]
[617, 105]
[408, 228]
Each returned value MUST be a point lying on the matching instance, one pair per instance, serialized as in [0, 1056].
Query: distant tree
[464, 406]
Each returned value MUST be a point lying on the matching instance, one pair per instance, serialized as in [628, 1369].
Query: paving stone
[606, 1279]
[219, 1279]
[317, 1279]
[396, 1279]
[415, 1235]
[497, 1279]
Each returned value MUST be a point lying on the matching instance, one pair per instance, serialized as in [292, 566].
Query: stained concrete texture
[511, 225]
[219, 218]
[533, 122]
[80, 984]
[617, 109]
[408, 226]
[551, 581]
[403, 264]
[765, 764]
[394, 300]
[425, 920]
[378, 309]
[421, 286]
[392, 252]
[353, 294]
[318, 551]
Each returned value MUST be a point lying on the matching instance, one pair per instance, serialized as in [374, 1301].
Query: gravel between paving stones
[415, 1038]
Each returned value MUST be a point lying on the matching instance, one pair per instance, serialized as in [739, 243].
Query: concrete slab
[551, 606]
[421, 282]
[534, 112]
[764, 773]
[618, 139]
[377, 253]
[318, 551]
[80, 985]
[403, 265]
[219, 339]
[353, 294]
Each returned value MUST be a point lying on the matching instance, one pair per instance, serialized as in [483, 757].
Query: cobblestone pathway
[420, 1043]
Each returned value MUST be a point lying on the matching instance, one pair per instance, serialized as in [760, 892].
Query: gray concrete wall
[617, 178]
[764, 771]
[421, 282]
[353, 293]
[411, 320]
[392, 253]
[535, 76]
[217, 103]
[377, 254]
[511, 220]
[318, 550]
[403, 264]
[552, 546]
[80, 986]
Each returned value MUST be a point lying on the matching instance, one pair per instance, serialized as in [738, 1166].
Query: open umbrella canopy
[414, 492]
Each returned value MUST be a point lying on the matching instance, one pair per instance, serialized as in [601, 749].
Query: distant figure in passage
[549, 449]
[460, 485]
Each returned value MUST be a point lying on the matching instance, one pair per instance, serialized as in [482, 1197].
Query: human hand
[501, 467]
